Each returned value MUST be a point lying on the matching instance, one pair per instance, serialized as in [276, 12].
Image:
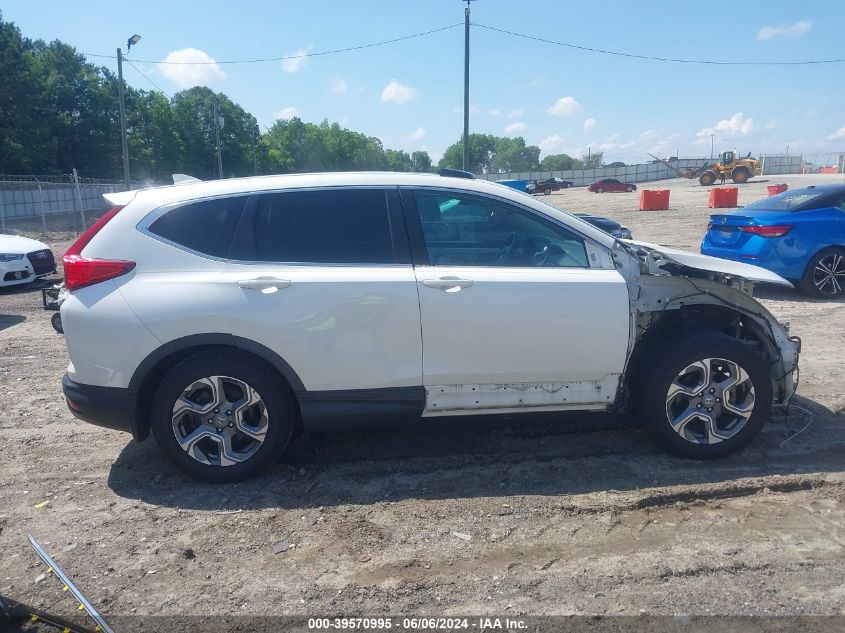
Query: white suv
[225, 316]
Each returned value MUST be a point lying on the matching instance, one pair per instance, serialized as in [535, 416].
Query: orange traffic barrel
[654, 199]
[723, 198]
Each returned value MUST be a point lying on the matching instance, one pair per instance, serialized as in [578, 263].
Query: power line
[137, 70]
[305, 55]
[659, 59]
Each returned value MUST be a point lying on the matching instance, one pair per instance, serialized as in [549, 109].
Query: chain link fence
[47, 205]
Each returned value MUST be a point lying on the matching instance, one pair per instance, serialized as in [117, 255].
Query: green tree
[482, 148]
[420, 161]
[398, 160]
[559, 162]
[512, 154]
[26, 145]
[592, 161]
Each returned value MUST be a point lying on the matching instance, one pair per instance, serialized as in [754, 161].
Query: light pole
[466, 85]
[132, 40]
[711, 147]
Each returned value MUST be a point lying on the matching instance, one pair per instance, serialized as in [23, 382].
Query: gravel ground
[553, 515]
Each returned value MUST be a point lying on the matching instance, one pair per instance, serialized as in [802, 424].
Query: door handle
[264, 283]
[449, 284]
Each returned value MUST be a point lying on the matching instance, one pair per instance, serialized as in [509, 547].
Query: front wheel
[547, 191]
[707, 395]
[599, 190]
[222, 417]
[824, 276]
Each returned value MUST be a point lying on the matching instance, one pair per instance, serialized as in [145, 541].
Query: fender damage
[666, 284]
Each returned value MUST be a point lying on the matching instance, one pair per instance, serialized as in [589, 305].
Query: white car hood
[17, 244]
[714, 264]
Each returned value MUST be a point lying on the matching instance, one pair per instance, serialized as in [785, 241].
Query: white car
[23, 260]
[225, 316]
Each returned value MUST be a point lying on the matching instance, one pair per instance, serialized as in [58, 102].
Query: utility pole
[466, 85]
[124, 141]
[123, 138]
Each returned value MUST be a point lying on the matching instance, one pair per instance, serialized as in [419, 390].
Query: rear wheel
[222, 417]
[707, 178]
[629, 188]
[547, 191]
[707, 395]
[740, 175]
[825, 274]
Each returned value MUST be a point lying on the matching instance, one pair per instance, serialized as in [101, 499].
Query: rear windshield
[789, 201]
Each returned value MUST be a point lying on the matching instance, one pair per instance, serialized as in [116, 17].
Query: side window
[207, 226]
[840, 203]
[465, 230]
[334, 226]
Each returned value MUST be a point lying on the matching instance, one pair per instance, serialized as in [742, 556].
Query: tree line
[59, 112]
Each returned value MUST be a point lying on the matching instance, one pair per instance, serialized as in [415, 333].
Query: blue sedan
[798, 234]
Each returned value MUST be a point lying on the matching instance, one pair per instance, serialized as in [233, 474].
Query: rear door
[513, 316]
[323, 278]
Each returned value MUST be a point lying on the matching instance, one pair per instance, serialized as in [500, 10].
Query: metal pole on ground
[77, 200]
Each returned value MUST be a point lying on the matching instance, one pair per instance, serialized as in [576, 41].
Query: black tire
[278, 400]
[707, 179]
[56, 322]
[547, 191]
[740, 175]
[599, 190]
[664, 366]
[827, 256]
[629, 188]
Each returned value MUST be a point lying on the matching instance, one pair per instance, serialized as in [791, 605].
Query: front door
[512, 314]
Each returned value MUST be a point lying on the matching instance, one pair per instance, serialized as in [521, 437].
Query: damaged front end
[674, 291]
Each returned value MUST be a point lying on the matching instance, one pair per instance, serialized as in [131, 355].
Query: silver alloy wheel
[829, 274]
[710, 401]
[219, 420]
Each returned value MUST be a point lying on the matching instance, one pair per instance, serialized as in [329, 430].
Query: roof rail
[456, 173]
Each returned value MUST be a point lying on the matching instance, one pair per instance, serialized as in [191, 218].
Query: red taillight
[83, 271]
[775, 230]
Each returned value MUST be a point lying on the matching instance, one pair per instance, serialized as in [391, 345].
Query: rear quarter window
[207, 226]
[332, 226]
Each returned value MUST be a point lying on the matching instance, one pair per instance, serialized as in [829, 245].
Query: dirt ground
[553, 515]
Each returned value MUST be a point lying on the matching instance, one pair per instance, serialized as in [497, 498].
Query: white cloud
[397, 93]
[417, 134]
[340, 87]
[551, 144]
[515, 114]
[647, 133]
[589, 124]
[494, 112]
[286, 113]
[515, 128]
[564, 106]
[840, 133]
[189, 67]
[738, 124]
[785, 30]
[295, 60]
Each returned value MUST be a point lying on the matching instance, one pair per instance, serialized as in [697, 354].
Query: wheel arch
[153, 368]
[660, 326]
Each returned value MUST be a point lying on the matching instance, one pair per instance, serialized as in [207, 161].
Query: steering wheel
[506, 248]
[541, 257]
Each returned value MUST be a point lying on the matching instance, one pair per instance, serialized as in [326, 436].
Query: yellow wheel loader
[729, 165]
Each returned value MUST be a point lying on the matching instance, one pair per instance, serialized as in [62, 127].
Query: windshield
[788, 201]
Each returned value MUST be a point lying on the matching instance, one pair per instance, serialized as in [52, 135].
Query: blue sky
[410, 94]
